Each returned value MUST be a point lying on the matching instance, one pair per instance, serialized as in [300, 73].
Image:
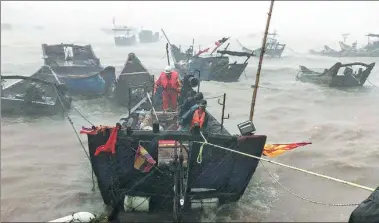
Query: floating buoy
[76, 217]
[136, 203]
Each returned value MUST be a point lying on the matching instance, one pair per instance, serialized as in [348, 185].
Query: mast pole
[263, 49]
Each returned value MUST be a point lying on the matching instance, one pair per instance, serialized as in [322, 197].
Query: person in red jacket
[169, 80]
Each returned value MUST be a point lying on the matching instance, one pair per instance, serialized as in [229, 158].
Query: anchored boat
[331, 77]
[179, 174]
[179, 55]
[370, 50]
[209, 67]
[34, 95]
[132, 83]
[77, 67]
[148, 36]
[215, 68]
[273, 47]
[127, 38]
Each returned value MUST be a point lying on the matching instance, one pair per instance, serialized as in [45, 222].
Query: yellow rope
[291, 167]
[200, 155]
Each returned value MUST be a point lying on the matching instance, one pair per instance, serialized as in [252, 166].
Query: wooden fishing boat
[148, 36]
[180, 181]
[273, 47]
[34, 95]
[369, 50]
[127, 38]
[209, 67]
[215, 68]
[77, 67]
[132, 84]
[331, 77]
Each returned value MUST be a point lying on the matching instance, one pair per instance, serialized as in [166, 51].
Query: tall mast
[263, 49]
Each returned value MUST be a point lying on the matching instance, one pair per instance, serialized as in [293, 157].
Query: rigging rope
[304, 198]
[76, 133]
[290, 167]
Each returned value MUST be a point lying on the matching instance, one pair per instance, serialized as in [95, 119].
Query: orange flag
[273, 150]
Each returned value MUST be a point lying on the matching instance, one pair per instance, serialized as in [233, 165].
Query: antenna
[260, 62]
[168, 55]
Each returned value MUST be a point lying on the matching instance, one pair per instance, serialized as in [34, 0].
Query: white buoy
[76, 217]
[136, 203]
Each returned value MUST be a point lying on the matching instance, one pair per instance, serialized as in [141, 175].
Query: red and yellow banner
[273, 150]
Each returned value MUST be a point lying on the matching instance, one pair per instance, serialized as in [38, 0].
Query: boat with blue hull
[77, 67]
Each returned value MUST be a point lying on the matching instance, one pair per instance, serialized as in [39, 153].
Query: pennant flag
[273, 150]
[143, 161]
[202, 51]
[221, 41]
[110, 145]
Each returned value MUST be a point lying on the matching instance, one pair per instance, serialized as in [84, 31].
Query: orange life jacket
[172, 83]
[198, 119]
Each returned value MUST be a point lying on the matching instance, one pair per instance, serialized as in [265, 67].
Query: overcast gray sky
[300, 18]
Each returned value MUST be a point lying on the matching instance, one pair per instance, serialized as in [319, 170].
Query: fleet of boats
[371, 49]
[144, 163]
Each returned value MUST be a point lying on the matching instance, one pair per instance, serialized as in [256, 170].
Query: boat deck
[166, 152]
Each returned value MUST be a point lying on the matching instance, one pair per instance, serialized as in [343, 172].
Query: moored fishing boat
[273, 47]
[77, 67]
[148, 36]
[128, 180]
[215, 68]
[209, 66]
[352, 76]
[369, 50]
[34, 95]
[127, 38]
[132, 84]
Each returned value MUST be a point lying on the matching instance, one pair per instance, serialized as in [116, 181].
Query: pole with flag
[263, 49]
[219, 43]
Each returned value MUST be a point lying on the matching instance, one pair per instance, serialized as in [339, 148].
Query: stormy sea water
[45, 173]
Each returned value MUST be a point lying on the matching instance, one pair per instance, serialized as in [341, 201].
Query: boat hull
[91, 85]
[147, 36]
[331, 78]
[125, 41]
[212, 69]
[14, 106]
[23, 97]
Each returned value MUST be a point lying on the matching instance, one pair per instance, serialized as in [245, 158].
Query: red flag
[273, 150]
[110, 145]
[219, 43]
[202, 51]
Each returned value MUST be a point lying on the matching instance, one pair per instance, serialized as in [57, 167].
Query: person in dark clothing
[189, 102]
[196, 114]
